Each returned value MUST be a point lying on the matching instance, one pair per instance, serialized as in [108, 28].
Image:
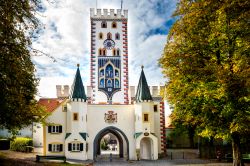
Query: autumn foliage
[207, 62]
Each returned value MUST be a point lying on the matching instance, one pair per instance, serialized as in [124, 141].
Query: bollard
[171, 156]
[183, 155]
[110, 157]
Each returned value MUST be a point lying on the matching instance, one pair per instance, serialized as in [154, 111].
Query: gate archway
[115, 131]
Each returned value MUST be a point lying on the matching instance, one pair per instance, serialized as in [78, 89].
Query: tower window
[155, 108]
[102, 83]
[117, 36]
[145, 117]
[116, 83]
[104, 51]
[75, 146]
[113, 24]
[100, 35]
[101, 73]
[104, 24]
[75, 116]
[114, 52]
[109, 35]
[109, 83]
[100, 51]
[109, 71]
[116, 73]
[118, 52]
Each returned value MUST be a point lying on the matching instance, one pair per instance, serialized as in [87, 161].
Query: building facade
[134, 115]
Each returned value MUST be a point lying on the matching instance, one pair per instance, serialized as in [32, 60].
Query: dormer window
[104, 24]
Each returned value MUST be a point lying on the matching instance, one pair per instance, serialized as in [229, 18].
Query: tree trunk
[191, 138]
[237, 161]
[210, 148]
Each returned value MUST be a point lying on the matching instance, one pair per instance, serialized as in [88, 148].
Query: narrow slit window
[100, 35]
[117, 36]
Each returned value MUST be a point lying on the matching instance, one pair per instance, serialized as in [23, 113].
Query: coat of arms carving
[110, 117]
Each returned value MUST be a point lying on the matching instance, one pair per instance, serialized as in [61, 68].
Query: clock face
[109, 44]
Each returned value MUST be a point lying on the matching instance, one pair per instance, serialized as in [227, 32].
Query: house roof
[50, 104]
[78, 91]
[143, 92]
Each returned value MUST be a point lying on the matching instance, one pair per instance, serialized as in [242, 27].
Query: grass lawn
[7, 161]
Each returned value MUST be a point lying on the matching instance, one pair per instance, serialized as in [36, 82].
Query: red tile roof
[50, 104]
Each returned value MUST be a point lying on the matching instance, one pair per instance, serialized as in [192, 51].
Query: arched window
[118, 52]
[104, 24]
[109, 83]
[117, 84]
[100, 35]
[114, 52]
[109, 35]
[109, 71]
[116, 73]
[117, 36]
[102, 83]
[113, 24]
[102, 73]
[104, 51]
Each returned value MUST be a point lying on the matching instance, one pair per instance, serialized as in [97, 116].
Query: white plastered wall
[125, 122]
[57, 117]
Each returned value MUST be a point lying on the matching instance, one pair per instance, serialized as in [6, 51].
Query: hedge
[20, 144]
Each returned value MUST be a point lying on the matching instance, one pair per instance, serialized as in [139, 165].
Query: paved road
[162, 162]
[120, 162]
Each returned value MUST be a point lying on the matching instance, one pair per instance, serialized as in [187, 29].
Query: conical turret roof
[143, 92]
[78, 91]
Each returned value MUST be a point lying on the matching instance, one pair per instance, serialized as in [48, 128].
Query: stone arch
[117, 132]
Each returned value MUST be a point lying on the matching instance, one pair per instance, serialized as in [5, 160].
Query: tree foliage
[17, 79]
[207, 61]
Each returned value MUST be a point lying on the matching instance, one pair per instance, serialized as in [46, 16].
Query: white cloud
[66, 37]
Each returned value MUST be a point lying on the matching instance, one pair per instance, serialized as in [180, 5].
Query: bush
[20, 144]
[4, 144]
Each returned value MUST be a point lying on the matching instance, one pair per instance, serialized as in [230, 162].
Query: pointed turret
[78, 91]
[143, 92]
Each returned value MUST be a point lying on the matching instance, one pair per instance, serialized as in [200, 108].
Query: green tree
[206, 60]
[18, 106]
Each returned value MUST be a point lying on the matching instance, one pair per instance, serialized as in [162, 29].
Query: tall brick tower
[109, 56]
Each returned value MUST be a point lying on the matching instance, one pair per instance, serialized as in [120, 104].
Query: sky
[64, 40]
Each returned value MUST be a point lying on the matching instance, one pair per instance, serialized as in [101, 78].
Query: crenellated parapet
[108, 14]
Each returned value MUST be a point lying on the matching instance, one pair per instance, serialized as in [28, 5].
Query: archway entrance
[146, 148]
[111, 144]
[122, 142]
